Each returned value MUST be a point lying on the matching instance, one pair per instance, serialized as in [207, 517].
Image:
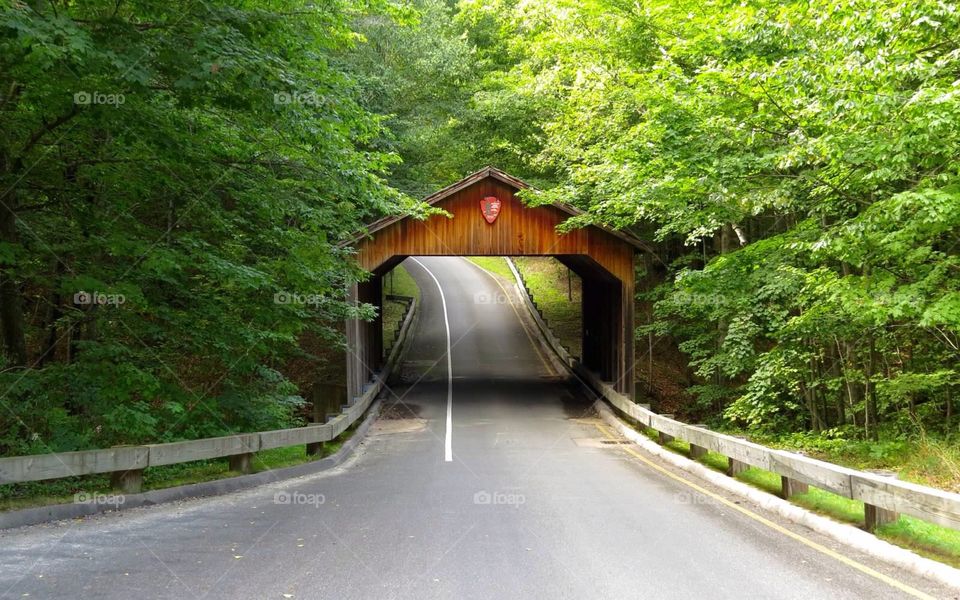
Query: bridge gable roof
[509, 180]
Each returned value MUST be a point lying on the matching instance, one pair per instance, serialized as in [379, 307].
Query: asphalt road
[533, 503]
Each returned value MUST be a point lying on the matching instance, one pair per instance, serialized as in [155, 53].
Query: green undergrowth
[926, 539]
[61, 491]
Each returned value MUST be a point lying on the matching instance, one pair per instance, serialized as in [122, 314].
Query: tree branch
[47, 128]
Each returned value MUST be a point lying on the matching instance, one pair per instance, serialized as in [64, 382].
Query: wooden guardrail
[884, 497]
[127, 463]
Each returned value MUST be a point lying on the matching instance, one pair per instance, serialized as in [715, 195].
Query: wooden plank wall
[364, 338]
[607, 317]
[356, 331]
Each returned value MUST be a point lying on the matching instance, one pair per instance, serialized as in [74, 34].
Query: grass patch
[400, 283]
[758, 478]
[650, 433]
[494, 264]
[678, 446]
[717, 462]
[15, 496]
[831, 505]
[926, 539]
[158, 478]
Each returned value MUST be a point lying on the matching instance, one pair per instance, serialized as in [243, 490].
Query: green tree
[191, 160]
[802, 152]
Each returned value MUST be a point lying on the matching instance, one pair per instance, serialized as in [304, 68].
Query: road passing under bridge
[486, 476]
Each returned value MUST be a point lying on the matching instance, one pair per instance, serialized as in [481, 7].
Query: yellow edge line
[536, 347]
[807, 542]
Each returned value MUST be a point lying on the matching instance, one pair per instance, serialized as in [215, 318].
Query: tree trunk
[854, 394]
[726, 239]
[835, 373]
[741, 235]
[12, 323]
[870, 392]
[948, 410]
[48, 354]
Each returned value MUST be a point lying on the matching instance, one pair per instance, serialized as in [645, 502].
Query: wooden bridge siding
[371, 292]
[518, 231]
[595, 310]
[627, 384]
[601, 259]
[364, 338]
[607, 319]
[356, 332]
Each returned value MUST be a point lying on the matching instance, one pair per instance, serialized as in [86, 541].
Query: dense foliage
[805, 153]
[167, 168]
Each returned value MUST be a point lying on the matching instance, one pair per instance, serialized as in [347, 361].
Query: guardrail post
[735, 467]
[874, 516]
[663, 437]
[336, 399]
[698, 452]
[242, 463]
[128, 482]
[791, 487]
[321, 401]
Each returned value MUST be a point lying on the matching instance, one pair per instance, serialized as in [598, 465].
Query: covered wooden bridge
[489, 220]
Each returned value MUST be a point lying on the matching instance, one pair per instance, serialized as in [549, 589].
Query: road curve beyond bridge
[486, 476]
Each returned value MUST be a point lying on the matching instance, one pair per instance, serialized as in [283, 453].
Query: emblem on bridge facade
[490, 207]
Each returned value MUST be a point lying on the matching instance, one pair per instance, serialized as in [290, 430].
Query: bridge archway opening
[604, 259]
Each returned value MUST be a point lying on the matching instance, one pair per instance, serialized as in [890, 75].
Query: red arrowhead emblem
[490, 207]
